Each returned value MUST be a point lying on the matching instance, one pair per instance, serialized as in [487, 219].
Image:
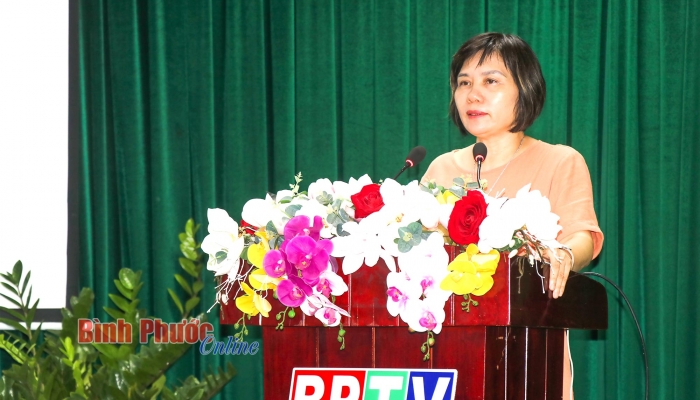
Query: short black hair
[520, 61]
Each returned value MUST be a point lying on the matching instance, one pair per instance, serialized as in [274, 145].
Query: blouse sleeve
[571, 196]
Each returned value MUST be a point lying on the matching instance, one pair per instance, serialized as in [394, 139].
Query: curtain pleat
[191, 105]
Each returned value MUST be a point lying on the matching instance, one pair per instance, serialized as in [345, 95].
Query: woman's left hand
[560, 264]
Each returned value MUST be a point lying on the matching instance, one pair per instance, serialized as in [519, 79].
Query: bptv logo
[373, 384]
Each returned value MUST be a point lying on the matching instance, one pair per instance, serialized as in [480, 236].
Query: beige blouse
[559, 172]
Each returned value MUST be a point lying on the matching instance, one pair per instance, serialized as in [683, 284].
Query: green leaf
[10, 288]
[405, 247]
[116, 314]
[189, 227]
[244, 253]
[189, 266]
[176, 300]
[10, 348]
[124, 291]
[26, 281]
[32, 311]
[183, 283]
[189, 253]
[292, 210]
[15, 324]
[14, 313]
[412, 233]
[197, 287]
[17, 273]
[122, 303]
[191, 304]
[220, 256]
[182, 236]
[415, 228]
[11, 300]
[128, 278]
[270, 228]
[344, 215]
[459, 192]
[334, 219]
[458, 181]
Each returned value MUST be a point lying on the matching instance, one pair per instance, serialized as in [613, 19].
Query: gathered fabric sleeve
[571, 195]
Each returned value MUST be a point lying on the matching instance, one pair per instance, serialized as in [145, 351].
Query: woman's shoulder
[555, 153]
[447, 166]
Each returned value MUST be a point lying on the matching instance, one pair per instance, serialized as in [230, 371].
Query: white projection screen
[34, 149]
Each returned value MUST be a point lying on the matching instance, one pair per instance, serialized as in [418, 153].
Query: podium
[510, 346]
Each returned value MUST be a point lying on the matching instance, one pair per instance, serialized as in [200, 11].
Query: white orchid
[258, 212]
[529, 209]
[400, 289]
[362, 245]
[330, 283]
[425, 315]
[222, 244]
[325, 310]
[427, 264]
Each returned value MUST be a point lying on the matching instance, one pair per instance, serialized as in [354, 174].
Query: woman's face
[486, 96]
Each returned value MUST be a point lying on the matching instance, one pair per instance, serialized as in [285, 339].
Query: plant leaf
[122, 303]
[123, 290]
[10, 288]
[189, 266]
[183, 283]
[127, 278]
[191, 304]
[17, 273]
[11, 300]
[176, 300]
[116, 314]
[15, 324]
[189, 227]
[26, 281]
[197, 287]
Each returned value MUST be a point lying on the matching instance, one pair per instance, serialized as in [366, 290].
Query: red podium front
[510, 346]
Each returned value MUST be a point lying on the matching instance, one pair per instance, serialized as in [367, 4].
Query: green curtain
[194, 104]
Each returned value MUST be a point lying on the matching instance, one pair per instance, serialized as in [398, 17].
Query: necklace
[506, 167]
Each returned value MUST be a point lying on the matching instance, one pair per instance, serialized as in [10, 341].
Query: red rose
[250, 229]
[367, 201]
[466, 218]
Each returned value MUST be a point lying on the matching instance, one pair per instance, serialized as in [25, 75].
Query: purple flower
[292, 291]
[309, 256]
[301, 226]
[275, 264]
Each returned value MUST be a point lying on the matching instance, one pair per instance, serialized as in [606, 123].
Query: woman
[497, 92]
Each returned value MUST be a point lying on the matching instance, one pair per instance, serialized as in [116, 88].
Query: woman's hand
[561, 263]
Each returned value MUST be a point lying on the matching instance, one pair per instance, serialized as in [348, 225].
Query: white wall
[34, 144]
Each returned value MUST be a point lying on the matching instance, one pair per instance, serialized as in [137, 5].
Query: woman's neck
[502, 148]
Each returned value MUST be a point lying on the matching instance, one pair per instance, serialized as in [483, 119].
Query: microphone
[414, 157]
[479, 151]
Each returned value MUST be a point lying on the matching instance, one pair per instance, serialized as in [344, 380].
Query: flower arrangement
[287, 243]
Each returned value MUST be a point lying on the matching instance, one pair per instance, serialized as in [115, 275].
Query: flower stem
[427, 345]
[468, 302]
[341, 336]
[281, 317]
[240, 324]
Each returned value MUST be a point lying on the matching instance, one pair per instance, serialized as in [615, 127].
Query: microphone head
[415, 156]
[479, 151]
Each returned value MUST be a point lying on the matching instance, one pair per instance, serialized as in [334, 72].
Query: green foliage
[193, 265]
[57, 366]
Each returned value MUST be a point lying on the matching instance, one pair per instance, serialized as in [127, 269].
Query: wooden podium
[510, 346]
